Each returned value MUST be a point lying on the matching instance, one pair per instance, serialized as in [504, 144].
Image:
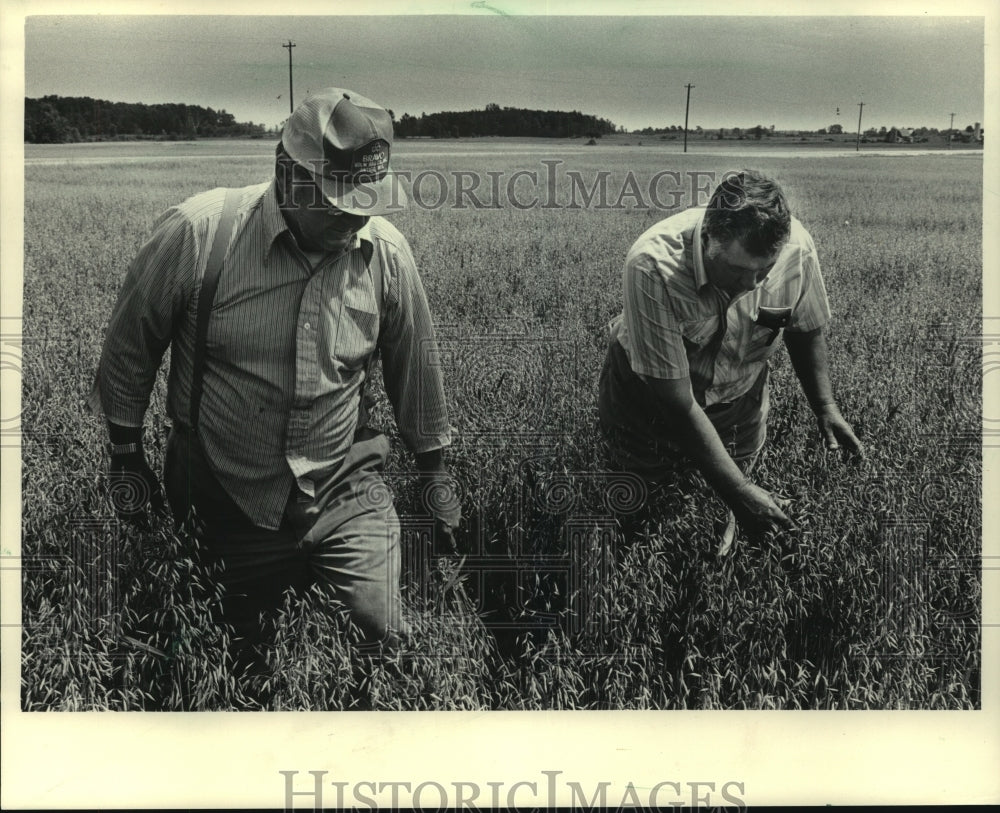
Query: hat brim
[377, 198]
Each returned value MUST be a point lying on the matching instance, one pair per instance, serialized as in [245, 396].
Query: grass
[566, 599]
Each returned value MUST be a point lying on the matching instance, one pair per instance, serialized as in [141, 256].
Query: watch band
[115, 449]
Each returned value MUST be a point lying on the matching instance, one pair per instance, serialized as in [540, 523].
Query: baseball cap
[344, 139]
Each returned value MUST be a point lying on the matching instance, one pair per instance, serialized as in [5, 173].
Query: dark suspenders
[209, 283]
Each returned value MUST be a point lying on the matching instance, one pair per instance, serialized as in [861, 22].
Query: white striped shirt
[287, 350]
[675, 323]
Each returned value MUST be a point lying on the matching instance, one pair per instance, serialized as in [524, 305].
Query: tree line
[970, 133]
[61, 119]
[506, 121]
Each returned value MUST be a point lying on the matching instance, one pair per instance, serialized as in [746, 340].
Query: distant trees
[45, 125]
[507, 121]
[673, 128]
[57, 119]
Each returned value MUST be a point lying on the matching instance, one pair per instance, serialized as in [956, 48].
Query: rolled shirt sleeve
[655, 345]
[812, 308]
[411, 364]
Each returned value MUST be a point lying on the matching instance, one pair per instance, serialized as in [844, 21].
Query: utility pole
[951, 126]
[291, 103]
[687, 107]
[861, 109]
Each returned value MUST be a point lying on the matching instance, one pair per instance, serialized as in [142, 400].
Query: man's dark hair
[749, 207]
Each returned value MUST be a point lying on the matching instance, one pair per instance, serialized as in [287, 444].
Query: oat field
[577, 590]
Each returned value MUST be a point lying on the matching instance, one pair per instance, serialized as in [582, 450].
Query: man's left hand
[837, 432]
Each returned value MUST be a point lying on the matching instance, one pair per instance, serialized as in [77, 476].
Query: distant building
[972, 134]
[899, 136]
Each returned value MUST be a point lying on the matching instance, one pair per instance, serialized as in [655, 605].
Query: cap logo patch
[370, 162]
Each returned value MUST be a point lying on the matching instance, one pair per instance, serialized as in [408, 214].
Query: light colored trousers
[345, 539]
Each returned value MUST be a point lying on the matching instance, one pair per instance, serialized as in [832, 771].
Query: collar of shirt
[274, 224]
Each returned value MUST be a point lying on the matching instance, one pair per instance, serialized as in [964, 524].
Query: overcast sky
[792, 72]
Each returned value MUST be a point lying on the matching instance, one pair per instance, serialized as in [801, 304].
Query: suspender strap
[364, 393]
[209, 283]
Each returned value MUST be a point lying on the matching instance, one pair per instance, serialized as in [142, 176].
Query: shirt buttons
[308, 326]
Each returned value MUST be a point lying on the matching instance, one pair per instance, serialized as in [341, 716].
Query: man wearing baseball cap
[275, 300]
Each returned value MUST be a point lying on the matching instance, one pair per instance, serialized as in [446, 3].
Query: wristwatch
[115, 449]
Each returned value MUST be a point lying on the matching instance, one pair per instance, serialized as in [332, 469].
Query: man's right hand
[134, 489]
[758, 511]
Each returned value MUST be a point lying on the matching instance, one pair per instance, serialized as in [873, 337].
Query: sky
[792, 72]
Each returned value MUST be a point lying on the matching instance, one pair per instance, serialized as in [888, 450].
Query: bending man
[707, 294]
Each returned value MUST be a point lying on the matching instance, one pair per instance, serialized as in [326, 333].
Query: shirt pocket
[765, 332]
[357, 331]
[699, 332]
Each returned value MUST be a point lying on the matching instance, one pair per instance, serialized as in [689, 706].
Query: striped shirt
[675, 323]
[289, 345]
